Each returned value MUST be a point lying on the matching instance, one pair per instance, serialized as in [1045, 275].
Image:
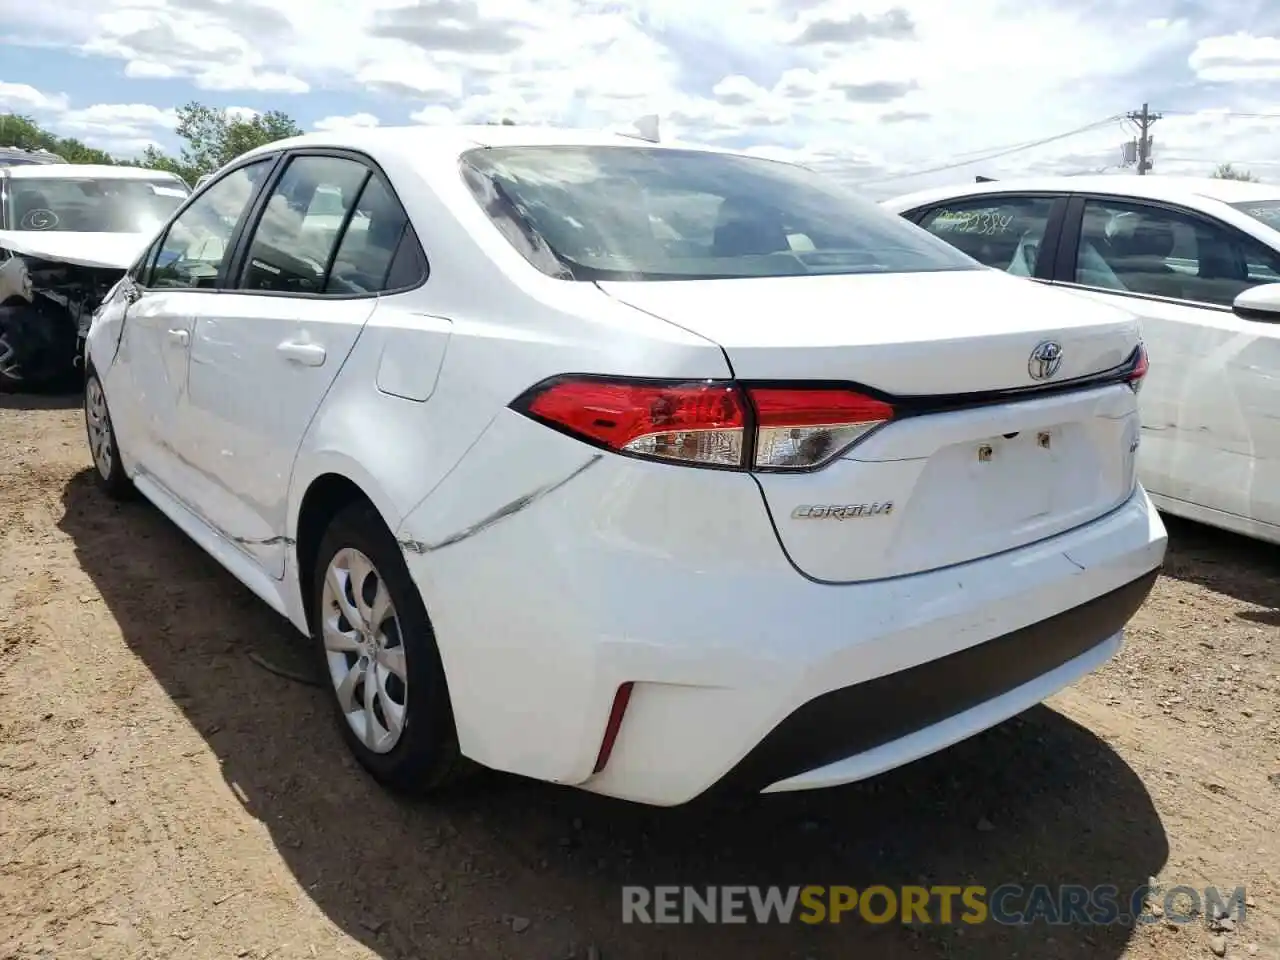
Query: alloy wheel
[364, 650]
[101, 442]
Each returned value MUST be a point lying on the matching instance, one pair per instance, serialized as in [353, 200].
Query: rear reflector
[620, 701]
[711, 423]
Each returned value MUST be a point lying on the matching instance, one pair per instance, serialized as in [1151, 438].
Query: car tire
[378, 662]
[9, 382]
[103, 448]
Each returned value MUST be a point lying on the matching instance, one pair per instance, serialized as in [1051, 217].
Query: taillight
[797, 429]
[1139, 371]
[698, 423]
[711, 423]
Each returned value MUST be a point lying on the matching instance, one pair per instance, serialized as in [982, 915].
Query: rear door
[1210, 432]
[307, 277]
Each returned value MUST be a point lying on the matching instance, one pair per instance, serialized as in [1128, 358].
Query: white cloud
[434, 116]
[1239, 58]
[21, 97]
[346, 123]
[866, 89]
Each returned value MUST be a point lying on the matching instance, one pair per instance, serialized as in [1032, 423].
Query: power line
[998, 152]
[1214, 115]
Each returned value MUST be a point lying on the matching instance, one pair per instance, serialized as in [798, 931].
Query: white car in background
[639, 468]
[68, 232]
[1198, 260]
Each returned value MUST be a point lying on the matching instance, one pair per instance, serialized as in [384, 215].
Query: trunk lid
[918, 333]
[927, 491]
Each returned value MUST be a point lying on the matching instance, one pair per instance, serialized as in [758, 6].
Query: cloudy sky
[874, 93]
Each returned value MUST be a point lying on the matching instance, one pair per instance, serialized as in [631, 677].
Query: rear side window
[1001, 232]
[379, 230]
[652, 213]
[300, 225]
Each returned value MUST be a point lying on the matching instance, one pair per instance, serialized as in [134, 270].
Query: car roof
[1189, 191]
[455, 140]
[82, 171]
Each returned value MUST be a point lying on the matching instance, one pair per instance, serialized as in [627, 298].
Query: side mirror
[1259, 303]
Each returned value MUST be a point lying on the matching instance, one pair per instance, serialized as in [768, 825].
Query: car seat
[1140, 250]
[744, 229]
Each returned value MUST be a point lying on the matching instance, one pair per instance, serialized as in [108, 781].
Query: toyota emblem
[1045, 361]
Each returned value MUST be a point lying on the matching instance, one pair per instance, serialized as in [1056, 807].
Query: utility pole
[1144, 119]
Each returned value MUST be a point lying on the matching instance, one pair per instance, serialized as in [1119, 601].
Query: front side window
[296, 236]
[1002, 232]
[1136, 248]
[92, 204]
[198, 241]
[653, 213]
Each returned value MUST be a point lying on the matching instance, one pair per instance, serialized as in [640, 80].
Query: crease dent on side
[502, 513]
[268, 542]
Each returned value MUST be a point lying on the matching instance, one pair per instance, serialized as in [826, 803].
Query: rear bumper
[550, 587]
[815, 744]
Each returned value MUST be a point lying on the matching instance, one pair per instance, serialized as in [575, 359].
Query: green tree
[215, 137]
[21, 131]
[1226, 171]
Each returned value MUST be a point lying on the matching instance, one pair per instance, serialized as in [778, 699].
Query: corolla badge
[1045, 361]
[842, 511]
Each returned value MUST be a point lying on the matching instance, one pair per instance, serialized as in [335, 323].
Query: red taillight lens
[708, 423]
[1139, 371]
[798, 429]
[698, 423]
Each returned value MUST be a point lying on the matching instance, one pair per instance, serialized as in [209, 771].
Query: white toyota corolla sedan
[643, 468]
[1198, 261]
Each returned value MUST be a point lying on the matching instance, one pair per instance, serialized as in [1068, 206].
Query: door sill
[232, 558]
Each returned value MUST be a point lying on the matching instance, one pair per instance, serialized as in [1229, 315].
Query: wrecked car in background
[68, 232]
[18, 156]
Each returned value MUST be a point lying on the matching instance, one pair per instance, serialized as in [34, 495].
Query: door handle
[306, 354]
[180, 337]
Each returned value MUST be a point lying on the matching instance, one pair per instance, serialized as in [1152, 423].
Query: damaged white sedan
[68, 232]
[642, 468]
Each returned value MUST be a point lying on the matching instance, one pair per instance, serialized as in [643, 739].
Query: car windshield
[1267, 211]
[92, 205]
[636, 213]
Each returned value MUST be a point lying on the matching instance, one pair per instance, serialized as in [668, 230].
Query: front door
[264, 357]
[173, 286]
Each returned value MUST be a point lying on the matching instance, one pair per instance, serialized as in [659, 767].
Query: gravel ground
[163, 795]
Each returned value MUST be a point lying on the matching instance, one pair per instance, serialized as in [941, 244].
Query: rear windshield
[637, 213]
[1267, 211]
[87, 205]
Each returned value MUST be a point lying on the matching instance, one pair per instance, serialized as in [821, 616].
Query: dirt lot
[163, 795]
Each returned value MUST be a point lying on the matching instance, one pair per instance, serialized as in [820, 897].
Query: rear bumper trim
[851, 720]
